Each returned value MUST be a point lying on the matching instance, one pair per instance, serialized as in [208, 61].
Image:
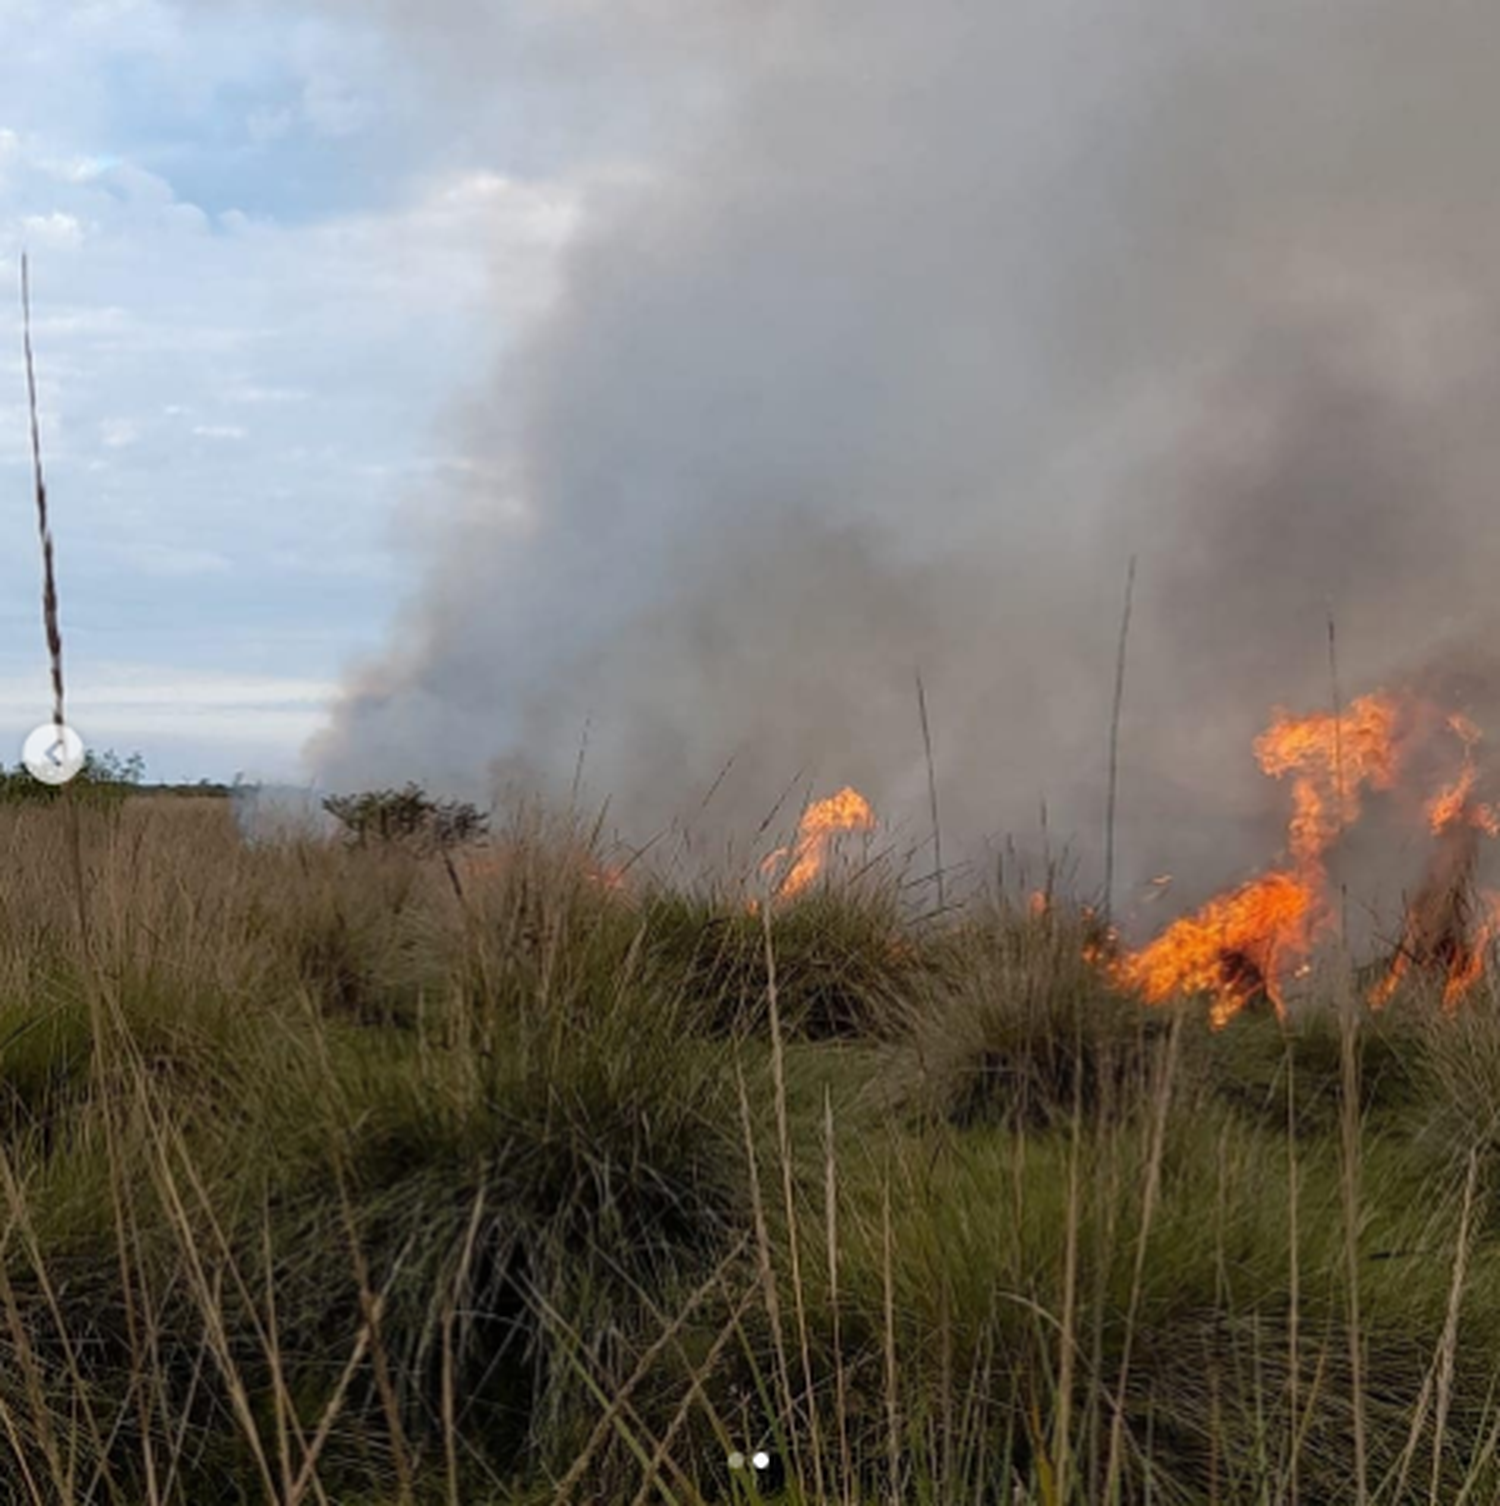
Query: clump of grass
[558, 1176]
[1267, 1069]
[1021, 1025]
[1458, 1069]
[846, 958]
[466, 1198]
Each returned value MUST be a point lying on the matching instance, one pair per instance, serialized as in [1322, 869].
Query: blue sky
[259, 239]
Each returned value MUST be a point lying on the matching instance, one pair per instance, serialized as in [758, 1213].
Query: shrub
[406, 816]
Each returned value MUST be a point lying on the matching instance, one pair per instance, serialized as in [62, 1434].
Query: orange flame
[1229, 949]
[821, 823]
[1331, 758]
[1468, 967]
[1234, 947]
[1464, 956]
[1441, 933]
[1380, 995]
[1487, 934]
[1455, 803]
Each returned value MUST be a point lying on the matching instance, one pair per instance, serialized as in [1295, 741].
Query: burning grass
[355, 1174]
[1242, 946]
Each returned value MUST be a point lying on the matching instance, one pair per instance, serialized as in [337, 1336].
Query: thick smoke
[951, 310]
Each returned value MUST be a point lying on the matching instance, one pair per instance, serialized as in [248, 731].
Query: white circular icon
[53, 753]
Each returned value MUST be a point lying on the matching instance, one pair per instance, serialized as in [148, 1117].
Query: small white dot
[761, 1459]
[736, 1461]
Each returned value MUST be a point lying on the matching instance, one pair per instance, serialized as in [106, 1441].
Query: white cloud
[117, 433]
[451, 242]
[182, 719]
[220, 431]
[56, 231]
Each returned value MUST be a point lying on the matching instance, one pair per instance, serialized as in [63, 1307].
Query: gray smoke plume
[948, 310]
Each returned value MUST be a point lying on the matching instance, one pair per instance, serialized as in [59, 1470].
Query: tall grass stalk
[1161, 1103]
[840, 1379]
[784, 1151]
[1294, 1272]
[1116, 704]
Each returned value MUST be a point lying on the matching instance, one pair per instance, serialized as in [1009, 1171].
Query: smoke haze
[919, 323]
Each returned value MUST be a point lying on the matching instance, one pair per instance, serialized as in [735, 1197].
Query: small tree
[109, 767]
[406, 816]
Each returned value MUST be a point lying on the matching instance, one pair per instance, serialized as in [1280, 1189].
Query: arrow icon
[53, 753]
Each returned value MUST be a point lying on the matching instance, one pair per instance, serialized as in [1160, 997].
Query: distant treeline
[105, 775]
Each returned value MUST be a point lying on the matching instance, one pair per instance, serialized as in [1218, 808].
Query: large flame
[1236, 947]
[1331, 758]
[1242, 945]
[821, 823]
[1450, 927]
[1455, 805]
[1230, 949]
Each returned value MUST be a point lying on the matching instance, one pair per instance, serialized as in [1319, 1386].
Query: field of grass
[358, 1175]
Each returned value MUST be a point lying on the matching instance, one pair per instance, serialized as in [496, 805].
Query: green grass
[350, 1176]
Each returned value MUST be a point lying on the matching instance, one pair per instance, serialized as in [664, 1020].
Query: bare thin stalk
[50, 619]
[583, 749]
[371, 1307]
[932, 798]
[830, 1193]
[449, 1318]
[1448, 1351]
[1338, 766]
[44, 527]
[1294, 1275]
[1114, 745]
[765, 1261]
[1137, 1287]
[1063, 1433]
[892, 1390]
[794, 1238]
[1349, 1117]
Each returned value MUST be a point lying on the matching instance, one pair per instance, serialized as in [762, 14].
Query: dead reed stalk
[932, 796]
[1114, 745]
[44, 526]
